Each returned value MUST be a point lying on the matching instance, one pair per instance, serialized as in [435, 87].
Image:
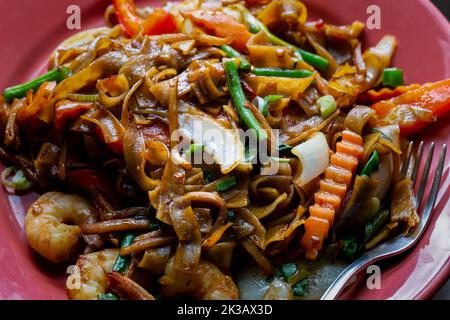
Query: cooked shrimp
[207, 283]
[91, 274]
[47, 224]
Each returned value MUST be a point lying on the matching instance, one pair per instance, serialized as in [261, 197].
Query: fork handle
[342, 281]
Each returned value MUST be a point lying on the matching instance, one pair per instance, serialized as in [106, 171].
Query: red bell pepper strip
[415, 109]
[373, 96]
[221, 25]
[158, 22]
[116, 146]
[88, 178]
[66, 111]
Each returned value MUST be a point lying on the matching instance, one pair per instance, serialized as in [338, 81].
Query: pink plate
[30, 29]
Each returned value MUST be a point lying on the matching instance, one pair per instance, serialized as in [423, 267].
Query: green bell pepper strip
[286, 73]
[122, 261]
[239, 100]
[20, 90]
[255, 26]
[372, 165]
[244, 65]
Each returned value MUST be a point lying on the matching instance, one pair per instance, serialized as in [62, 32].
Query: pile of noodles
[116, 149]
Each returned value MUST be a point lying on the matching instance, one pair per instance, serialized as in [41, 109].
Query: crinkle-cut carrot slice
[338, 175]
[322, 212]
[330, 186]
[344, 161]
[349, 148]
[312, 241]
[328, 200]
[352, 137]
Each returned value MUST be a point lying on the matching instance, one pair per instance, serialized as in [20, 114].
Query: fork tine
[436, 182]
[425, 173]
[417, 162]
[405, 165]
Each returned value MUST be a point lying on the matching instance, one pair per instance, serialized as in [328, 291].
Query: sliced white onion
[314, 157]
[223, 144]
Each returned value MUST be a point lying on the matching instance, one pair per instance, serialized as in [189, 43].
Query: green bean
[286, 73]
[122, 261]
[20, 91]
[244, 65]
[239, 100]
[255, 26]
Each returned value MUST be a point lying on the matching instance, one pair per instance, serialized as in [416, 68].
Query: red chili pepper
[158, 22]
[88, 178]
[67, 111]
[416, 109]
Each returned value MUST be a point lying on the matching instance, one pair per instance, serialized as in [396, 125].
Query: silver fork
[399, 243]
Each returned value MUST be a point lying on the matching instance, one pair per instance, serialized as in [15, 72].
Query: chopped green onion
[154, 224]
[107, 296]
[282, 160]
[392, 77]
[351, 246]
[250, 154]
[327, 105]
[82, 97]
[254, 26]
[20, 91]
[372, 165]
[288, 270]
[284, 148]
[193, 148]
[151, 211]
[273, 97]
[244, 65]
[18, 181]
[301, 288]
[230, 215]
[122, 261]
[207, 176]
[226, 183]
[286, 73]
[239, 100]
[263, 104]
